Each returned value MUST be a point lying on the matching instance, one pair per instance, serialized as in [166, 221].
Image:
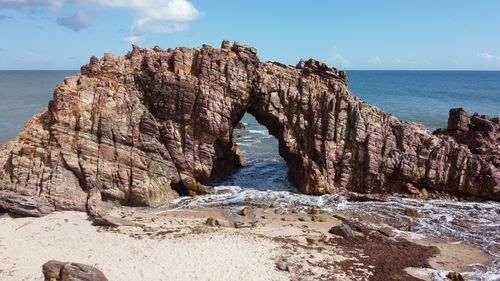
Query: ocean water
[421, 96]
[22, 94]
[426, 96]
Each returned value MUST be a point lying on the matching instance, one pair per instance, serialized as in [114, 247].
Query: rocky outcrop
[143, 128]
[28, 206]
[64, 271]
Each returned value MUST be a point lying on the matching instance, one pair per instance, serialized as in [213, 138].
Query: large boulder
[141, 129]
[64, 271]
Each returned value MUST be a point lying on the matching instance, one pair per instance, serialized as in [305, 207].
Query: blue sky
[63, 34]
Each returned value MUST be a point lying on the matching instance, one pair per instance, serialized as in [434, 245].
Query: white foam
[437, 220]
[261, 132]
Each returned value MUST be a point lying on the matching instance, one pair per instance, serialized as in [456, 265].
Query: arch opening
[262, 166]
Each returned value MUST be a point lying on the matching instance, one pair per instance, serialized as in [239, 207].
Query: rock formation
[143, 128]
[64, 271]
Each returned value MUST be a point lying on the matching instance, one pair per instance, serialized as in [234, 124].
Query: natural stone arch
[130, 128]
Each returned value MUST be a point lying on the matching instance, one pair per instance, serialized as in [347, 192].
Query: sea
[421, 96]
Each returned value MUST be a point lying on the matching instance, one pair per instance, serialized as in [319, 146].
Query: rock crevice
[128, 128]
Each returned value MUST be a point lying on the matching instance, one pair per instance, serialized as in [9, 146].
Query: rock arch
[136, 129]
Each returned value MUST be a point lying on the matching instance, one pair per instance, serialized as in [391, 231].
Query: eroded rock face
[142, 128]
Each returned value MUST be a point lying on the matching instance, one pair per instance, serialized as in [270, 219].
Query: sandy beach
[180, 245]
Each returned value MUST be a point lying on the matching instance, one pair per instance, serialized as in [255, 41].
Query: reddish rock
[412, 213]
[28, 206]
[358, 197]
[141, 129]
[244, 212]
[63, 271]
[387, 231]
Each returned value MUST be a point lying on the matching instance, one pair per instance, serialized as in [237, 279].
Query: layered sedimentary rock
[143, 128]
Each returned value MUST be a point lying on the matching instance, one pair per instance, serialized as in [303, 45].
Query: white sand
[27, 243]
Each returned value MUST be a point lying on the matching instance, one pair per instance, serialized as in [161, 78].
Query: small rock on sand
[342, 230]
[61, 271]
[412, 213]
[282, 265]
[387, 231]
[314, 211]
[405, 226]
[244, 212]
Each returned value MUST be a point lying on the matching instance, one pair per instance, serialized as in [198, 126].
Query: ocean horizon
[422, 96]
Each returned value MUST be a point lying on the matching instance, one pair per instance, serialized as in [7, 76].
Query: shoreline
[186, 244]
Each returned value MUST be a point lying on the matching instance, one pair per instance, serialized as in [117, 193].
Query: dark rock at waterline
[386, 231]
[455, 276]
[141, 129]
[463, 223]
[358, 197]
[63, 271]
[342, 230]
[412, 213]
[240, 126]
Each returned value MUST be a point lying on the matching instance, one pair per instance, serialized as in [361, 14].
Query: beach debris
[273, 206]
[112, 221]
[65, 271]
[240, 224]
[282, 265]
[212, 222]
[342, 230]
[217, 222]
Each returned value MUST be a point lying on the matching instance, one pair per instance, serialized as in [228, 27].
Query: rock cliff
[141, 129]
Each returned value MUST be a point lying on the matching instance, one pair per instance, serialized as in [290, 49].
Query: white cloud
[150, 15]
[132, 39]
[340, 60]
[376, 60]
[157, 15]
[489, 58]
[76, 22]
